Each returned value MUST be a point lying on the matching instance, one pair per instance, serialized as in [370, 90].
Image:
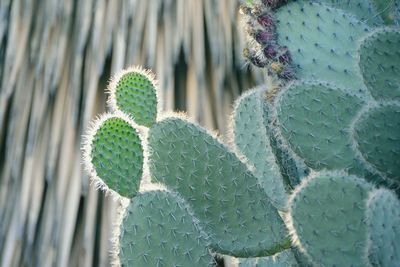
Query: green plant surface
[292, 167]
[377, 137]
[364, 10]
[322, 41]
[282, 259]
[252, 139]
[327, 219]
[134, 92]
[380, 63]
[158, 229]
[114, 154]
[383, 220]
[225, 196]
[315, 119]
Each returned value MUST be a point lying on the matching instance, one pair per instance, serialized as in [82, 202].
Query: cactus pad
[114, 154]
[326, 219]
[364, 10]
[252, 140]
[383, 219]
[389, 10]
[377, 136]
[159, 230]
[314, 119]
[380, 63]
[322, 41]
[282, 259]
[228, 200]
[291, 166]
[133, 91]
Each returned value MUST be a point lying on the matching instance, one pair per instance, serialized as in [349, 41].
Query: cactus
[380, 63]
[251, 139]
[134, 92]
[223, 193]
[113, 154]
[377, 137]
[158, 229]
[383, 222]
[281, 259]
[313, 157]
[330, 206]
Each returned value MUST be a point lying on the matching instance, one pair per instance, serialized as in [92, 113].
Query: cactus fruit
[134, 92]
[228, 200]
[380, 63]
[114, 154]
[158, 229]
[383, 222]
[326, 219]
[377, 137]
[252, 139]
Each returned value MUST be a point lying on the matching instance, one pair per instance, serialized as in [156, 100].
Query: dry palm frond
[55, 60]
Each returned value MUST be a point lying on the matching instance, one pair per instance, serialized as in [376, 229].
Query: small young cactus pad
[158, 229]
[114, 154]
[383, 219]
[134, 92]
[227, 199]
[327, 219]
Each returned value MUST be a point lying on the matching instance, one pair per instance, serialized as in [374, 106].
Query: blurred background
[56, 58]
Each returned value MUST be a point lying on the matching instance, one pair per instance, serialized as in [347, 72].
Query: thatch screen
[55, 60]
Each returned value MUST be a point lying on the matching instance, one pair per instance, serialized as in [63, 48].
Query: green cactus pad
[115, 155]
[252, 140]
[326, 219]
[389, 10]
[322, 41]
[377, 136]
[158, 229]
[364, 10]
[291, 166]
[383, 219]
[229, 201]
[134, 93]
[315, 118]
[380, 63]
[282, 259]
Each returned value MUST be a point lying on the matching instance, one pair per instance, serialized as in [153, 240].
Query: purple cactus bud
[267, 21]
[264, 37]
[284, 56]
[286, 74]
[274, 3]
[270, 51]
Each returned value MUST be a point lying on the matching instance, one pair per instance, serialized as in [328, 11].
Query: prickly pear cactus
[159, 229]
[157, 226]
[224, 194]
[307, 179]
